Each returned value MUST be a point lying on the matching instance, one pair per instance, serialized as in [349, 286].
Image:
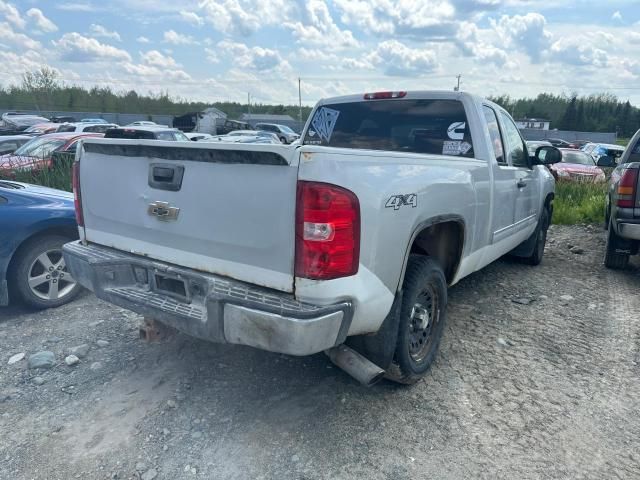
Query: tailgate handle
[165, 176]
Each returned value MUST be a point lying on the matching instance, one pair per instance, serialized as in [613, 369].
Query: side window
[515, 148]
[494, 133]
[72, 147]
[165, 136]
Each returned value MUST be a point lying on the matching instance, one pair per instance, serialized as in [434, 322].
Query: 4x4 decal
[397, 201]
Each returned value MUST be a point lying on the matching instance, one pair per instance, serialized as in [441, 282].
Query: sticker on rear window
[455, 148]
[324, 121]
[451, 148]
[456, 130]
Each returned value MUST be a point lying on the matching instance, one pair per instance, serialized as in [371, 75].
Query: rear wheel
[422, 319]
[40, 277]
[612, 258]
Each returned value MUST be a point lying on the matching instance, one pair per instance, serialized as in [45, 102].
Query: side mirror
[547, 155]
[606, 161]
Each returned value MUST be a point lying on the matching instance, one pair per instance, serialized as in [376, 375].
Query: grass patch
[58, 175]
[579, 203]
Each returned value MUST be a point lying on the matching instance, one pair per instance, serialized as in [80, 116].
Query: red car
[37, 152]
[577, 166]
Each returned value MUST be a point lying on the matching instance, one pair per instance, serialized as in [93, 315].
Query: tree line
[601, 112]
[42, 90]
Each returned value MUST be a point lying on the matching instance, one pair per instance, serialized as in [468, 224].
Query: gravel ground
[537, 378]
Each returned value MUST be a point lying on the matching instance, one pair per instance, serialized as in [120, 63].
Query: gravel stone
[96, 366]
[149, 474]
[38, 380]
[71, 360]
[80, 351]
[102, 343]
[43, 359]
[16, 358]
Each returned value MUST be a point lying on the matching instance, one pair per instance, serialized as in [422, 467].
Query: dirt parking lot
[537, 378]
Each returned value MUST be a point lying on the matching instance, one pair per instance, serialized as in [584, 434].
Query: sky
[226, 50]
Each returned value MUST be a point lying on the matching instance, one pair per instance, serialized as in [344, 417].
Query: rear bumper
[630, 231]
[214, 308]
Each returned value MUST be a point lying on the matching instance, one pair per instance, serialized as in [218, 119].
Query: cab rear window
[420, 126]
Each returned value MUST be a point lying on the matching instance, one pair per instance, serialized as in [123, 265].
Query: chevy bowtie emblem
[163, 211]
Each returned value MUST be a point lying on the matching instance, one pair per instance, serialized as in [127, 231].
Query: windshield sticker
[465, 147]
[451, 148]
[456, 130]
[324, 121]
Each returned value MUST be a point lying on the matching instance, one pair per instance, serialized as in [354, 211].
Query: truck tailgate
[219, 208]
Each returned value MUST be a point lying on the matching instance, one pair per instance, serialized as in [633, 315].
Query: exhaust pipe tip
[359, 367]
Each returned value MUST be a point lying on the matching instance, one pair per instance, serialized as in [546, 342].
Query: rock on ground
[71, 360]
[43, 359]
[80, 351]
[16, 358]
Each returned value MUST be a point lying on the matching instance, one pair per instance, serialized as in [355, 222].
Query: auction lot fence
[569, 136]
[119, 118]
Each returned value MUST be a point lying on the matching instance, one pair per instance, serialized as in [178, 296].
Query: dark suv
[623, 206]
[147, 133]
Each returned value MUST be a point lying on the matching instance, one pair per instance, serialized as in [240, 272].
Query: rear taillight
[327, 231]
[384, 95]
[627, 188]
[77, 197]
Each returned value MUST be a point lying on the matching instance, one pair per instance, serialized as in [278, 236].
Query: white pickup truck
[352, 235]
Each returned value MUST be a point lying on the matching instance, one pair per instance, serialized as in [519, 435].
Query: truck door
[526, 191]
[504, 177]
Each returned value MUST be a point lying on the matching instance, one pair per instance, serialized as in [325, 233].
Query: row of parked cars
[35, 146]
[582, 161]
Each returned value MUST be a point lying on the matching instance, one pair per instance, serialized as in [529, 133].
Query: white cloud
[471, 45]
[73, 47]
[143, 40]
[212, 55]
[100, 31]
[192, 18]
[319, 28]
[255, 58]
[42, 23]
[578, 50]
[157, 59]
[156, 67]
[244, 17]
[633, 37]
[18, 39]
[146, 73]
[616, 15]
[12, 15]
[527, 32]
[76, 7]
[397, 59]
[417, 18]
[176, 38]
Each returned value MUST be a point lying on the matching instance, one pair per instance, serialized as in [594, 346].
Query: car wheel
[541, 239]
[40, 277]
[422, 319]
[612, 258]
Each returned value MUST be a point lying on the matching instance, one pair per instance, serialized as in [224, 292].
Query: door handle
[521, 184]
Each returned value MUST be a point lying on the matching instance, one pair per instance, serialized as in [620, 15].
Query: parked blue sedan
[34, 224]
